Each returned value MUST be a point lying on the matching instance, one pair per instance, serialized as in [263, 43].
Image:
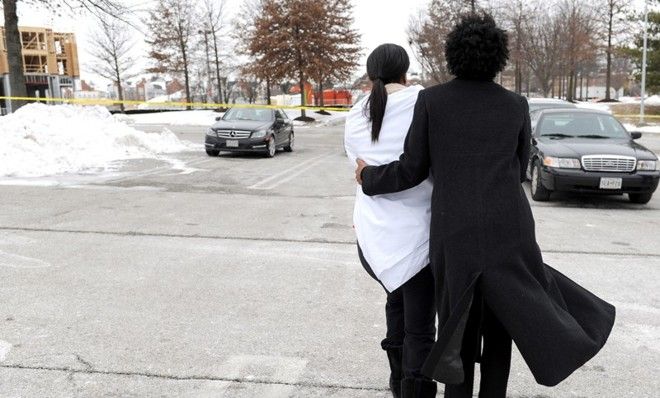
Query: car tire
[292, 139]
[213, 152]
[640, 198]
[271, 150]
[539, 192]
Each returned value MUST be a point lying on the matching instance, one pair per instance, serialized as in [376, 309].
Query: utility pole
[644, 51]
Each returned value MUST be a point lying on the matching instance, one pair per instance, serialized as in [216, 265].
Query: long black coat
[474, 137]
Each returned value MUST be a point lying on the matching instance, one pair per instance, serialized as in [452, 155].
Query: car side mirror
[279, 121]
[636, 135]
[219, 118]
[534, 141]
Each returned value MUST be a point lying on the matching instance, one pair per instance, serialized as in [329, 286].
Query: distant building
[88, 91]
[50, 64]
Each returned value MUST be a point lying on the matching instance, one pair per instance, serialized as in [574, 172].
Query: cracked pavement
[149, 282]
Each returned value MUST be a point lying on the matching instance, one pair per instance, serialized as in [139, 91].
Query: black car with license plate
[588, 151]
[261, 130]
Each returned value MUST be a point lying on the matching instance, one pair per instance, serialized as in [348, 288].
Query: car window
[278, 115]
[587, 125]
[286, 117]
[254, 114]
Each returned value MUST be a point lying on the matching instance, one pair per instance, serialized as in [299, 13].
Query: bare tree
[578, 41]
[107, 8]
[541, 48]
[613, 21]
[428, 31]
[111, 45]
[214, 24]
[173, 27]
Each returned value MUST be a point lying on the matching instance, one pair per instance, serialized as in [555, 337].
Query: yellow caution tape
[637, 116]
[111, 102]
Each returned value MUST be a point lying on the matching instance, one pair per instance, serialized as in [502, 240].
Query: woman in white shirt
[393, 230]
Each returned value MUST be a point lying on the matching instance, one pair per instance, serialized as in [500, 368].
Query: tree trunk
[321, 99]
[301, 77]
[217, 66]
[553, 88]
[16, 77]
[587, 94]
[120, 89]
[581, 87]
[608, 76]
[186, 74]
[268, 91]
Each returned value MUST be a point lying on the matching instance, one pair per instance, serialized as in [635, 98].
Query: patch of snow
[174, 118]
[156, 102]
[655, 129]
[653, 100]
[42, 140]
[5, 347]
[593, 105]
[334, 119]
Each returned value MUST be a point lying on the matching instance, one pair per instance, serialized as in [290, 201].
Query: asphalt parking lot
[238, 276]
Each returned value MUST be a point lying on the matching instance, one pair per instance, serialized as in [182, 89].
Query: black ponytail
[388, 63]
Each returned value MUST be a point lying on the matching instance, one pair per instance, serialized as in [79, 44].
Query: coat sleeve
[413, 165]
[524, 142]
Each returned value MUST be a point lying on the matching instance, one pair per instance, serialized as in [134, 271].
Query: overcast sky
[379, 21]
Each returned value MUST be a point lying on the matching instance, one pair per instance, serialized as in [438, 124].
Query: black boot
[418, 388]
[395, 356]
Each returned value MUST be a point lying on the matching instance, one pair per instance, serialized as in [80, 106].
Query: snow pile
[41, 140]
[336, 118]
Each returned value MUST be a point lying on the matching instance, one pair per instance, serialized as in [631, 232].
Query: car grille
[609, 163]
[237, 134]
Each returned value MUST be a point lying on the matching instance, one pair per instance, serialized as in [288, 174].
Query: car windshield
[259, 115]
[536, 106]
[584, 125]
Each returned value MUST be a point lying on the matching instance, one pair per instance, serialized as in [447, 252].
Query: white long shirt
[392, 230]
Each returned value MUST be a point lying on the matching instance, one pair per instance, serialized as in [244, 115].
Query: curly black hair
[477, 49]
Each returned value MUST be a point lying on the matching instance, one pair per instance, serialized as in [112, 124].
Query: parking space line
[290, 173]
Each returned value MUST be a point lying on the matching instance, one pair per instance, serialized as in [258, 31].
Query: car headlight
[561, 163]
[211, 133]
[259, 133]
[647, 165]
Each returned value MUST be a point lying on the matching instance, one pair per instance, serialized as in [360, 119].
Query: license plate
[232, 144]
[611, 183]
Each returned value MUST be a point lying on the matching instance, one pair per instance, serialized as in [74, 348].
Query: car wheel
[640, 198]
[272, 148]
[539, 192]
[212, 152]
[292, 139]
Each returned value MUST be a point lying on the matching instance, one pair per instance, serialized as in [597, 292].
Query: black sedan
[589, 151]
[261, 130]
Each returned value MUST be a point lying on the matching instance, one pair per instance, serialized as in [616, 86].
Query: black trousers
[410, 316]
[495, 357]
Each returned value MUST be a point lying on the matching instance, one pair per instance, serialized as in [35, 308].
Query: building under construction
[50, 64]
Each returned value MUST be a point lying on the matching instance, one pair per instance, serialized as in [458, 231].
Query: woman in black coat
[473, 136]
